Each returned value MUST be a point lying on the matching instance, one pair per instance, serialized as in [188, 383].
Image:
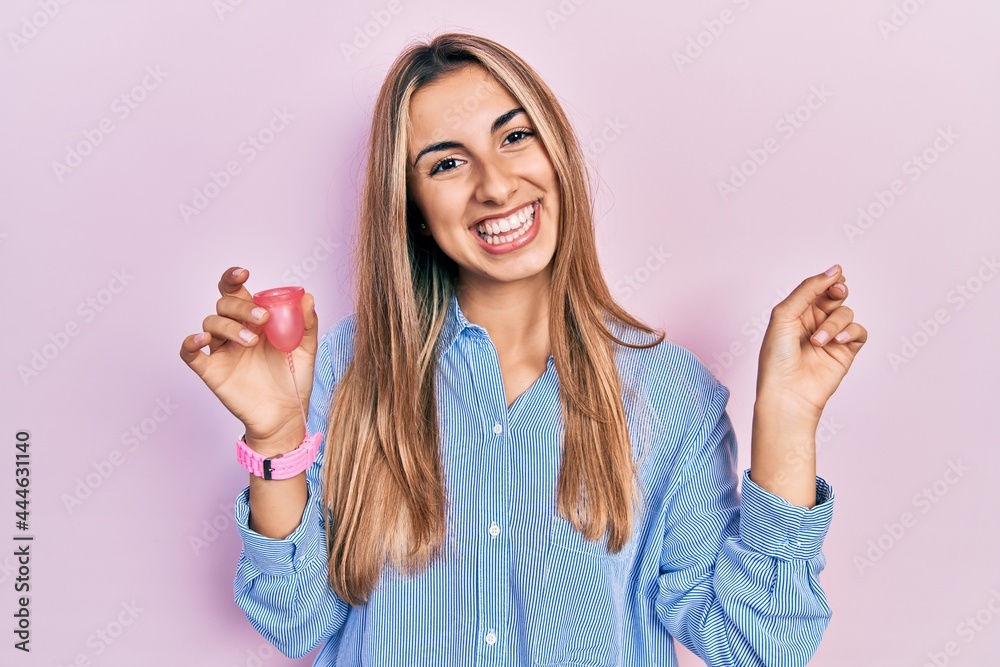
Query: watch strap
[284, 466]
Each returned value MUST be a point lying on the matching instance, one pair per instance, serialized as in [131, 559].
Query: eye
[525, 131]
[438, 166]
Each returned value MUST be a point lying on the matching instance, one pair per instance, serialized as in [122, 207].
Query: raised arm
[282, 584]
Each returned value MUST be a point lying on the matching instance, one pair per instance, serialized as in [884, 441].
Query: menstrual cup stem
[291, 367]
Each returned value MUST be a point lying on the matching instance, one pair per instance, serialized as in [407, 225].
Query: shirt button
[491, 638]
[494, 529]
[497, 428]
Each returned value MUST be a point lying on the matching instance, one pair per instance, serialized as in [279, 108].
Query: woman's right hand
[251, 377]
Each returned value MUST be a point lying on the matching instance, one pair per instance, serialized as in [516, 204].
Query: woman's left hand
[802, 360]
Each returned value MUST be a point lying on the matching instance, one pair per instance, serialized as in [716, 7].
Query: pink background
[661, 136]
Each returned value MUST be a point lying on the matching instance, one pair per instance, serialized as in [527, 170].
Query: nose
[496, 183]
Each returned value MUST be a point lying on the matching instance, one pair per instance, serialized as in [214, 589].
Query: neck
[515, 314]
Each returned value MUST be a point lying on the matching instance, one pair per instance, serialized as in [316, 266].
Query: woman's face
[477, 161]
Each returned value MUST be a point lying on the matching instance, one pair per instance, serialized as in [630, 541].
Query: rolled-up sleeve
[771, 525]
[283, 557]
[738, 582]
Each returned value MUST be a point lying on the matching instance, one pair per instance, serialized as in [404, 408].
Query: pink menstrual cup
[286, 325]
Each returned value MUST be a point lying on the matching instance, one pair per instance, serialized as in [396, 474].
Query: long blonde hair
[384, 484]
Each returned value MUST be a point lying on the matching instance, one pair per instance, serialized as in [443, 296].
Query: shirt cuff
[772, 526]
[285, 556]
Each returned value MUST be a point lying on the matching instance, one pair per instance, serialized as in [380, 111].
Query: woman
[514, 470]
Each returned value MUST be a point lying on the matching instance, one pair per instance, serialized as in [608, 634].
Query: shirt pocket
[583, 602]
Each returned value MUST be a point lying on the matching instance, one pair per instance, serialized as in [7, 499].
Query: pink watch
[284, 466]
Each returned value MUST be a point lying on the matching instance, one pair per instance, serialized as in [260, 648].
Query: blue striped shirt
[732, 576]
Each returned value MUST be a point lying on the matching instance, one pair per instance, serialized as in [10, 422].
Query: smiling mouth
[508, 229]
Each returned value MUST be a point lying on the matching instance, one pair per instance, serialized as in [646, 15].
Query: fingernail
[832, 270]
[247, 335]
[842, 337]
[257, 313]
[821, 337]
[236, 271]
[200, 338]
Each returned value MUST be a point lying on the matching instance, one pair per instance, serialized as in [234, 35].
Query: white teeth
[514, 221]
[496, 239]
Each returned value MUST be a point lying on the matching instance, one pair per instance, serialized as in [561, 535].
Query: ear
[415, 216]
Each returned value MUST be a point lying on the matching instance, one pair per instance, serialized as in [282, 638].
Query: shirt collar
[454, 324]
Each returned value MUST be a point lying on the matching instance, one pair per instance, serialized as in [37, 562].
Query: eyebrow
[501, 120]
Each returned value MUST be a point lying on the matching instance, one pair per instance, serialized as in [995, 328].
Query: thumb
[310, 319]
[803, 296]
